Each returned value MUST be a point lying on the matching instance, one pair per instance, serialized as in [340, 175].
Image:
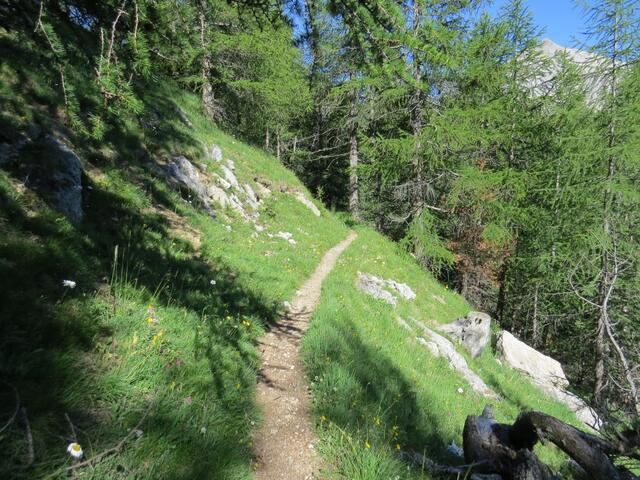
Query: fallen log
[507, 450]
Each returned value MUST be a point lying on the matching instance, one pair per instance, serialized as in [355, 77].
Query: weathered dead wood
[488, 441]
[569, 439]
[508, 449]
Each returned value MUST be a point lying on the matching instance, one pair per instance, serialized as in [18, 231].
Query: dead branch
[508, 449]
[109, 451]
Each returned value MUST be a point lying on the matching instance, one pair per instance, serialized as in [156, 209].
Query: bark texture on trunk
[507, 450]
[208, 97]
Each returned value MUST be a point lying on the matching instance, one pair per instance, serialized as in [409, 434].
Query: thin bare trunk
[353, 174]
[536, 323]
[353, 157]
[415, 107]
[208, 97]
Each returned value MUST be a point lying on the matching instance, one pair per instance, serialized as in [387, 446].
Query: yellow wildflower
[367, 444]
[157, 337]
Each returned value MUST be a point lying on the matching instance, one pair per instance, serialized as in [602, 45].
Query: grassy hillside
[150, 361]
[159, 334]
[377, 391]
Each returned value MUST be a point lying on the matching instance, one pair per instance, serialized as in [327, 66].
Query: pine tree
[605, 285]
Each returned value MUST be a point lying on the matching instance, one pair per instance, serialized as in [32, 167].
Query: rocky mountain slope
[589, 66]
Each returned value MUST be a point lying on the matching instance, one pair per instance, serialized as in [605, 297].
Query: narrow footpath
[285, 443]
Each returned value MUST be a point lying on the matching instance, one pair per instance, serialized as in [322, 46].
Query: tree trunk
[353, 175]
[535, 341]
[208, 97]
[507, 450]
[415, 110]
[607, 283]
[353, 158]
[278, 145]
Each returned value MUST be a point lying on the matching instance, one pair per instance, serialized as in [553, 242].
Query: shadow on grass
[47, 332]
[59, 347]
[359, 389]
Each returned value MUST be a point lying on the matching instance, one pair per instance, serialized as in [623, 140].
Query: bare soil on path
[284, 446]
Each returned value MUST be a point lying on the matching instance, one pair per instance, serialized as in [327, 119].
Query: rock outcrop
[59, 180]
[589, 64]
[384, 289]
[441, 347]
[56, 173]
[546, 373]
[472, 331]
[208, 188]
[183, 117]
[213, 152]
[298, 195]
[182, 173]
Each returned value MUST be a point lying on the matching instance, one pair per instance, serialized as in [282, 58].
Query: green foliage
[423, 240]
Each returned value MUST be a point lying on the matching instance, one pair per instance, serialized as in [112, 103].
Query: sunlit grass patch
[151, 355]
[377, 386]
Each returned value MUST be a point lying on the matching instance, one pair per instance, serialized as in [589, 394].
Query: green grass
[160, 333]
[376, 391]
[186, 378]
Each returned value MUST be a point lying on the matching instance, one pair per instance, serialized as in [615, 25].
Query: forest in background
[510, 175]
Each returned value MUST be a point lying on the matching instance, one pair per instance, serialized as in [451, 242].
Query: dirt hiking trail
[285, 444]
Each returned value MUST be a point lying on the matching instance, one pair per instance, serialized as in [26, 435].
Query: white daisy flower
[69, 283]
[460, 390]
[212, 282]
[75, 450]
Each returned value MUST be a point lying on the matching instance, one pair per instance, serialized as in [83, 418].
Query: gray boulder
[306, 202]
[230, 177]
[542, 369]
[252, 198]
[441, 347]
[384, 289]
[472, 331]
[214, 153]
[202, 186]
[182, 173]
[183, 117]
[60, 181]
[546, 373]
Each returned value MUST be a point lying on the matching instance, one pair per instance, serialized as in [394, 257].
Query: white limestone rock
[472, 331]
[384, 289]
[441, 347]
[306, 202]
[546, 373]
